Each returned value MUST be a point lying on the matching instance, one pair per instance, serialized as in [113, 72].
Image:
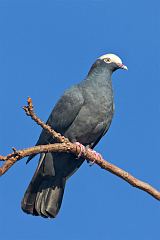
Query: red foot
[83, 149]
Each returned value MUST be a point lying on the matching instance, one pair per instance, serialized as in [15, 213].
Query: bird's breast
[94, 117]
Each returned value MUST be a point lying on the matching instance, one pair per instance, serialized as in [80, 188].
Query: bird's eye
[107, 60]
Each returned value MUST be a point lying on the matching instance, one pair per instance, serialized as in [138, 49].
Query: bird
[83, 114]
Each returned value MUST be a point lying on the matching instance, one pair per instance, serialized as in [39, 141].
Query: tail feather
[45, 192]
[52, 206]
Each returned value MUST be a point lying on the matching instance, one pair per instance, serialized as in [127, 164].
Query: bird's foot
[83, 149]
[96, 155]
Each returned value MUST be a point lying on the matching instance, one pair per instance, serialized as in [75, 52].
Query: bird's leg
[97, 155]
[83, 149]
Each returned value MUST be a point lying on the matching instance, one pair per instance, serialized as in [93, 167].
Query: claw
[83, 149]
[97, 155]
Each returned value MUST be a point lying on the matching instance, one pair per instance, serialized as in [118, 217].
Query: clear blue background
[45, 47]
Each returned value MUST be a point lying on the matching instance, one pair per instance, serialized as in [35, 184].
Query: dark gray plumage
[83, 114]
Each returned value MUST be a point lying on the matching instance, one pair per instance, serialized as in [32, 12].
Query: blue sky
[45, 47]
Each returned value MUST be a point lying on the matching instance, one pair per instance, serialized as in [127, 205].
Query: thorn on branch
[26, 110]
[16, 153]
[14, 150]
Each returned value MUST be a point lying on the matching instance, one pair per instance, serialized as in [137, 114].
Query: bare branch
[66, 146]
[30, 112]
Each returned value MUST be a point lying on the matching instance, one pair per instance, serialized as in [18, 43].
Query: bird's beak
[123, 67]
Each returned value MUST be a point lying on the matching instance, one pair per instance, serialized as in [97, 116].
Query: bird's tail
[45, 192]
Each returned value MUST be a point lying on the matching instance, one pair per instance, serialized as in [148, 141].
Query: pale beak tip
[124, 67]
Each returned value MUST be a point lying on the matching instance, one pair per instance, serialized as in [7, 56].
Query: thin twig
[66, 146]
[30, 112]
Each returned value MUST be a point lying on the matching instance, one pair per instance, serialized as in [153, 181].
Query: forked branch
[64, 145]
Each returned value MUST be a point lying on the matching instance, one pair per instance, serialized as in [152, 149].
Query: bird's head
[112, 61]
